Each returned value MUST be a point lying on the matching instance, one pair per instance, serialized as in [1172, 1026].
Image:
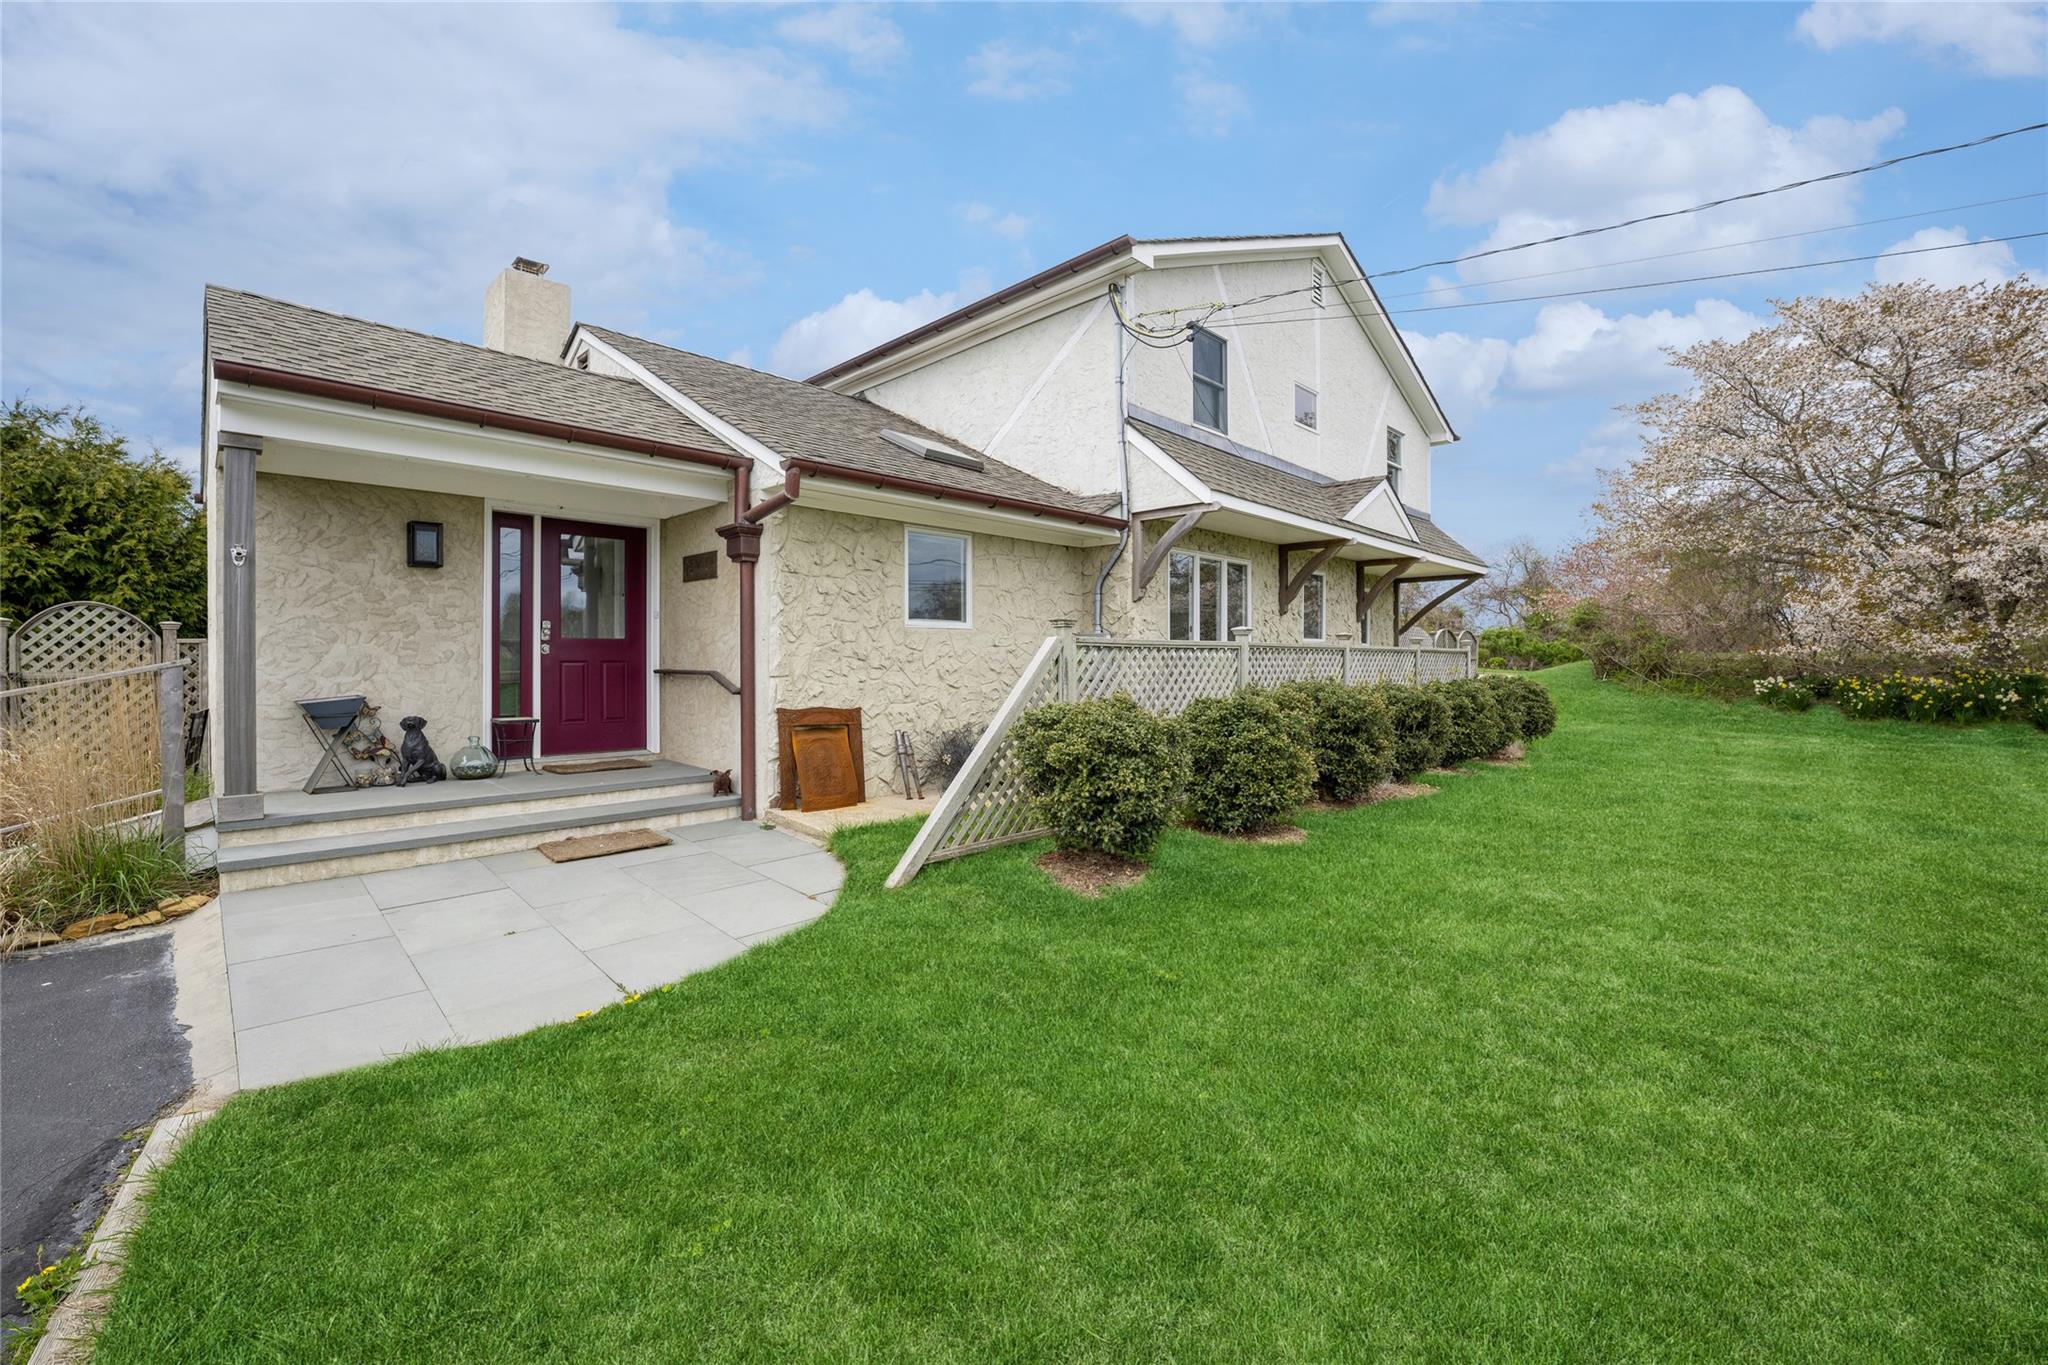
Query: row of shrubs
[1109, 776]
[1965, 696]
[1519, 648]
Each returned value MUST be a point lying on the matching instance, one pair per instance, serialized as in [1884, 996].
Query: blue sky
[787, 184]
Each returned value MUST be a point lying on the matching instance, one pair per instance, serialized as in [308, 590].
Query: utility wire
[1719, 246]
[1648, 217]
[1270, 319]
[1718, 203]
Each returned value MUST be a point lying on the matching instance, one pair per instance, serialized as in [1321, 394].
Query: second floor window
[1212, 389]
[1394, 461]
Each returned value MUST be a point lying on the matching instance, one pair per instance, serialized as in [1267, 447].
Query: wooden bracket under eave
[1458, 585]
[1290, 587]
[1367, 600]
[1148, 561]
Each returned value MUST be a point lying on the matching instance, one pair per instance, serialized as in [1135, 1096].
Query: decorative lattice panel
[1275, 664]
[996, 809]
[1381, 665]
[79, 744]
[192, 653]
[1161, 677]
[82, 637]
[1442, 665]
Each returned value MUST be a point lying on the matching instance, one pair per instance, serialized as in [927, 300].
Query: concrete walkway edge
[68, 1341]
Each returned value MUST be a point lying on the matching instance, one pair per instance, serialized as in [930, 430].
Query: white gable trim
[1383, 500]
[681, 402]
[1197, 491]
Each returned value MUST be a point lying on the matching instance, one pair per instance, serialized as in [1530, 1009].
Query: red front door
[593, 637]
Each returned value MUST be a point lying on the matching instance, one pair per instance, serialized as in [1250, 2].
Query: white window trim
[1323, 597]
[1196, 381]
[1397, 463]
[1318, 405]
[966, 539]
[1195, 588]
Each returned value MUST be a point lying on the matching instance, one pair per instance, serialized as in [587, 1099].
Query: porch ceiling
[318, 438]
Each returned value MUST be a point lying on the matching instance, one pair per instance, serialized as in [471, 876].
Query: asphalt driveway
[90, 1053]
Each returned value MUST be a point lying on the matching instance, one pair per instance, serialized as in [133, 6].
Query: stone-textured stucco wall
[338, 611]
[837, 636]
[699, 629]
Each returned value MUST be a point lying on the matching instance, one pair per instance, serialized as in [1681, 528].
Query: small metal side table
[329, 718]
[512, 737]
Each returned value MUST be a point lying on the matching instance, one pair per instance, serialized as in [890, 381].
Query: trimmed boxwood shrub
[1476, 728]
[1105, 775]
[1539, 710]
[1509, 703]
[1422, 723]
[1248, 761]
[1349, 732]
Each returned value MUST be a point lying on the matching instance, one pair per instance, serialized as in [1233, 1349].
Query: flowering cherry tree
[1878, 461]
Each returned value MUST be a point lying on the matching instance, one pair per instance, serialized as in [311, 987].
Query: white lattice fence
[78, 642]
[987, 804]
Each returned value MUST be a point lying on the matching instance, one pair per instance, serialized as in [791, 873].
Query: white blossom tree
[1882, 455]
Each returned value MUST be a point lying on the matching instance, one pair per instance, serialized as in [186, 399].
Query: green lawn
[1710, 1032]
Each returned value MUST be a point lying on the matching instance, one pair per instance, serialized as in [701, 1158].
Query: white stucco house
[675, 559]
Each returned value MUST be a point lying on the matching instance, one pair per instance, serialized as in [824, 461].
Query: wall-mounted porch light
[423, 544]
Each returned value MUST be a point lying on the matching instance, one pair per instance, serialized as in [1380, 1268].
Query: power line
[1887, 163]
[1719, 246]
[1271, 319]
[1632, 222]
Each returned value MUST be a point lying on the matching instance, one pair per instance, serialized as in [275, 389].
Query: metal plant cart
[329, 719]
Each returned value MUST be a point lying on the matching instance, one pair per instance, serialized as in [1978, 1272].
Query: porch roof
[271, 334]
[1254, 477]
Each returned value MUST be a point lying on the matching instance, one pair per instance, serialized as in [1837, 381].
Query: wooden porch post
[236, 725]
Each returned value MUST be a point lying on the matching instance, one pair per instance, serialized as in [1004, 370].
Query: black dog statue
[417, 761]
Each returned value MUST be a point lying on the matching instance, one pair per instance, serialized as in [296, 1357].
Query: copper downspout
[742, 536]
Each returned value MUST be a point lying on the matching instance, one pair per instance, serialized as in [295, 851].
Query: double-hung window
[1394, 460]
[1207, 597]
[936, 569]
[1312, 608]
[1212, 385]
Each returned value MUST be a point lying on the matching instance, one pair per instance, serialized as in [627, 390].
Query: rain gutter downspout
[1123, 463]
[742, 536]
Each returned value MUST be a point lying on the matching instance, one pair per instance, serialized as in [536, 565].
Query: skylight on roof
[934, 451]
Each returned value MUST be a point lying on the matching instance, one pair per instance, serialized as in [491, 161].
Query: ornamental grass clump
[1350, 734]
[1421, 718]
[1250, 765]
[1477, 727]
[1104, 776]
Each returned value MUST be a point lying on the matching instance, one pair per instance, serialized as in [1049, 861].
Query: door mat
[597, 845]
[594, 765]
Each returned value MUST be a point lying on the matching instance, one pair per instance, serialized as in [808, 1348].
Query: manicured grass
[1710, 1032]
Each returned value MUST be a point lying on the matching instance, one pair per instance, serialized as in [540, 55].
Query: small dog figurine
[417, 761]
[721, 782]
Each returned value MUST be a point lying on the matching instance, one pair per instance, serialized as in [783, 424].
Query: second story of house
[1271, 348]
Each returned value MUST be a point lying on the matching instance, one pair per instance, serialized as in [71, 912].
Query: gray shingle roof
[254, 330]
[1256, 480]
[807, 422]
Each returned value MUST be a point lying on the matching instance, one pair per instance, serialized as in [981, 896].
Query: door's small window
[593, 582]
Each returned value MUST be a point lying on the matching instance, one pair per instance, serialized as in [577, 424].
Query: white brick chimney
[525, 314]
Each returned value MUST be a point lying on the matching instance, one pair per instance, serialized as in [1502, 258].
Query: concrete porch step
[247, 866]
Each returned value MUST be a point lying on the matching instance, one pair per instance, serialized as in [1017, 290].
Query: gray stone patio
[333, 974]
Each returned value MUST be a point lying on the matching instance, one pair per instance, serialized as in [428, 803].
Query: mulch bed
[1509, 757]
[1385, 791]
[1091, 874]
[1279, 834]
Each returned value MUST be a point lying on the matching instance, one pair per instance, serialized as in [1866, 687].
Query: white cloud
[387, 161]
[1004, 71]
[1599, 165]
[867, 38]
[1573, 347]
[1197, 24]
[860, 320]
[1009, 226]
[1978, 263]
[1998, 40]
[1610, 445]
[1463, 371]
[1209, 103]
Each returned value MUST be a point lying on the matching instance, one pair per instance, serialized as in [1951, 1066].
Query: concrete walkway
[328, 975]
